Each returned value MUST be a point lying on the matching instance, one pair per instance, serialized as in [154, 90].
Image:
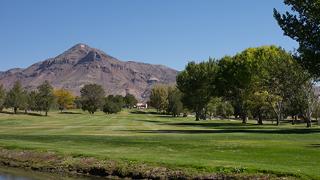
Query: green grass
[205, 146]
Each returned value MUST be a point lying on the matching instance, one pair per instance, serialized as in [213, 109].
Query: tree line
[264, 83]
[46, 97]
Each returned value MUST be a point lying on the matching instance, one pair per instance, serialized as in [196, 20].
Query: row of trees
[93, 98]
[264, 82]
[45, 97]
[166, 99]
[19, 98]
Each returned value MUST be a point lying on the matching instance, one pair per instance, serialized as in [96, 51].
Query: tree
[213, 106]
[224, 109]
[24, 102]
[64, 98]
[282, 78]
[309, 99]
[112, 104]
[33, 101]
[45, 97]
[92, 97]
[259, 105]
[303, 25]
[118, 99]
[14, 98]
[316, 113]
[255, 70]
[175, 106]
[158, 97]
[130, 101]
[2, 97]
[197, 83]
[218, 107]
[77, 102]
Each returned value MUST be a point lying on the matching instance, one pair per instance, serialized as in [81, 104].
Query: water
[8, 173]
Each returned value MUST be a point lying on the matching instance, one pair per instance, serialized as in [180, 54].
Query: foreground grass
[213, 146]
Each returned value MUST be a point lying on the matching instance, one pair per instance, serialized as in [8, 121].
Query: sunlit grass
[173, 142]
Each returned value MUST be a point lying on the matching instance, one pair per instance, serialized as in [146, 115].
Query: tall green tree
[255, 70]
[175, 106]
[15, 97]
[197, 83]
[2, 97]
[113, 104]
[302, 24]
[45, 97]
[280, 77]
[218, 107]
[130, 101]
[25, 102]
[92, 97]
[259, 105]
[32, 101]
[159, 97]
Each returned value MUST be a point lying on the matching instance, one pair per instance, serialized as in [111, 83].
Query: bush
[112, 105]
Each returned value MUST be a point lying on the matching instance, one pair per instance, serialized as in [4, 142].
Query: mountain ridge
[82, 64]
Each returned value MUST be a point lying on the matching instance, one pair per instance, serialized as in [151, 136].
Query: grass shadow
[217, 131]
[143, 112]
[70, 112]
[22, 113]
[314, 146]
[34, 114]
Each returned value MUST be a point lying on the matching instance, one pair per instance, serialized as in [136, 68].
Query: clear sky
[169, 32]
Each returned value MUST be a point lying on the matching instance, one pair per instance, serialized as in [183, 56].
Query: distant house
[142, 106]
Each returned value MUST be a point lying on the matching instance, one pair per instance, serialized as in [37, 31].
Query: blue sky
[169, 32]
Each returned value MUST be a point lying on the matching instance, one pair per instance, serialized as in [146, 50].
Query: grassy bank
[179, 144]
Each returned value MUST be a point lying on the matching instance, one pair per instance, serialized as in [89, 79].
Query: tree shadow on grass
[34, 114]
[67, 112]
[217, 131]
[22, 113]
[149, 121]
[143, 112]
[314, 145]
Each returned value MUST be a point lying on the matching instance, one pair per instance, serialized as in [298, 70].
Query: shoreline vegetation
[67, 165]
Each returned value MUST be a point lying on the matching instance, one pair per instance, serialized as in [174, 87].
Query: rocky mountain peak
[82, 64]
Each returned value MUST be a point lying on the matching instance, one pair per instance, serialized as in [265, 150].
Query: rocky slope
[81, 65]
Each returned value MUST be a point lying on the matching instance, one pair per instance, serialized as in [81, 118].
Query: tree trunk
[46, 113]
[279, 118]
[260, 120]
[309, 122]
[197, 116]
[244, 119]
[15, 109]
[26, 111]
[294, 119]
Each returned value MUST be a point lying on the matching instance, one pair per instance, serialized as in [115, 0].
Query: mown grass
[212, 146]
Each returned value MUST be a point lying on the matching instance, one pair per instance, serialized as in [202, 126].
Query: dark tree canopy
[45, 97]
[303, 25]
[14, 98]
[130, 101]
[175, 106]
[113, 104]
[92, 97]
[197, 83]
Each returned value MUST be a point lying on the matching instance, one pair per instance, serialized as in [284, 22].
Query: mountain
[81, 65]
